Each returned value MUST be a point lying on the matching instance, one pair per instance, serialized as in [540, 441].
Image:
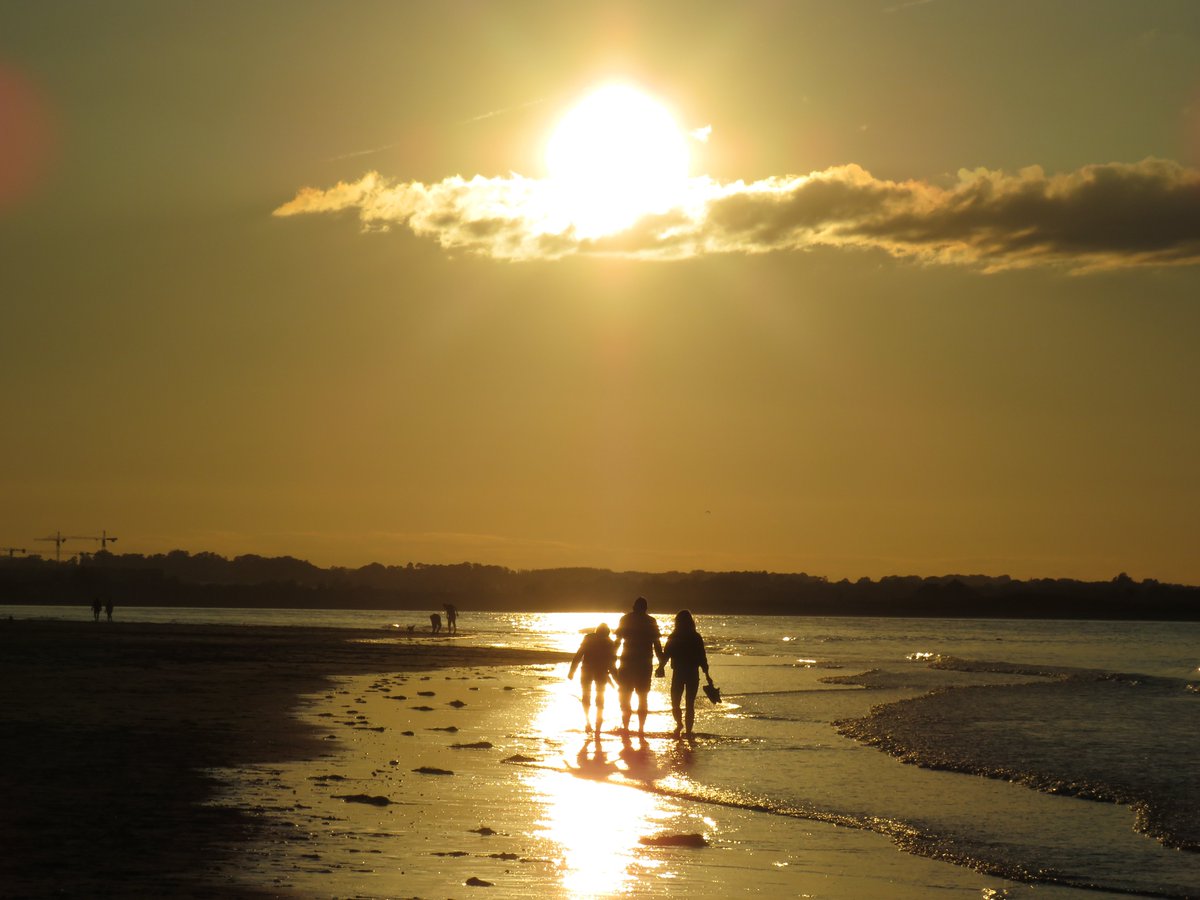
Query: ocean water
[1002, 758]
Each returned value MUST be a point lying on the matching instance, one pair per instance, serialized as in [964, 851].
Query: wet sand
[109, 731]
[239, 761]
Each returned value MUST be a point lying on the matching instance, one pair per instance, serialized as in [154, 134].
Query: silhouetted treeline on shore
[183, 579]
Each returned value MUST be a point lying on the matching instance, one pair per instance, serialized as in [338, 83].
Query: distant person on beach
[96, 609]
[596, 655]
[685, 650]
[108, 608]
[639, 641]
[435, 623]
[451, 618]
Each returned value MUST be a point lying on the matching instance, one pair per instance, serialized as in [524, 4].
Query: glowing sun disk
[614, 157]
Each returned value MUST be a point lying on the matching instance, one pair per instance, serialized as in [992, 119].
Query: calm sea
[984, 744]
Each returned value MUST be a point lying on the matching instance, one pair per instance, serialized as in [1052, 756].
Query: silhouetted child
[96, 609]
[685, 650]
[108, 608]
[596, 656]
[435, 623]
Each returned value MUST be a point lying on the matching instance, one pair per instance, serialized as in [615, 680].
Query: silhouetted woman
[685, 650]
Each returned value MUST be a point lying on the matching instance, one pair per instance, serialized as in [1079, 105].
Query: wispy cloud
[505, 110]
[1105, 216]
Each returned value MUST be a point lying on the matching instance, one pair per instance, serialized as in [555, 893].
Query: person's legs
[587, 703]
[643, 708]
[599, 704]
[690, 688]
[676, 696]
[625, 696]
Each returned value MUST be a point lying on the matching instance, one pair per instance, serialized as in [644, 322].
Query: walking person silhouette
[596, 656]
[685, 650]
[639, 641]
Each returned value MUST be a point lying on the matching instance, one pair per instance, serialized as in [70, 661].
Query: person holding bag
[685, 651]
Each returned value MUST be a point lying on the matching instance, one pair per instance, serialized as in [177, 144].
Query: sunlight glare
[597, 825]
[589, 814]
[616, 156]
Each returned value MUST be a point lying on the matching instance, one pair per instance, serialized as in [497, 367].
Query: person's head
[684, 621]
[639, 605]
[602, 629]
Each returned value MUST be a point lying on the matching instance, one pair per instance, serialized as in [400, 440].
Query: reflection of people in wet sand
[435, 623]
[685, 650]
[638, 639]
[96, 609]
[451, 618]
[593, 765]
[640, 762]
[108, 608]
[595, 657]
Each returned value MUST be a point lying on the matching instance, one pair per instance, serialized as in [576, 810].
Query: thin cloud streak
[1098, 217]
[507, 109]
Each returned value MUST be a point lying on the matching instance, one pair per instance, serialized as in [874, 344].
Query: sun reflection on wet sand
[594, 811]
[597, 824]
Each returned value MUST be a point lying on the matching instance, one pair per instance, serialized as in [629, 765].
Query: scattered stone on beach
[457, 704]
[326, 777]
[508, 856]
[397, 697]
[509, 687]
[474, 745]
[408, 733]
[674, 840]
[373, 800]
[450, 728]
[422, 708]
[477, 882]
[432, 770]
[453, 853]
[483, 830]
[426, 693]
[519, 758]
[378, 728]
[393, 762]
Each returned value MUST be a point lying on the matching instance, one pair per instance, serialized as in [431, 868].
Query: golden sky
[297, 278]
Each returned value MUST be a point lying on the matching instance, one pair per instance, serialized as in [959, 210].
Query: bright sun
[616, 156]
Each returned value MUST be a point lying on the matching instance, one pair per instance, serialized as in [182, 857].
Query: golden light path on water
[595, 812]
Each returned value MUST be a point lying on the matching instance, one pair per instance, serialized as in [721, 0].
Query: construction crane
[11, 550]
[105, 538]
[58, 539]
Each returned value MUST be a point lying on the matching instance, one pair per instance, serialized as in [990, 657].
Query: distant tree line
[183, 579]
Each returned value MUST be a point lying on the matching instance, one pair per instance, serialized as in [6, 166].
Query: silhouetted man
[639, 642]
[451, 617]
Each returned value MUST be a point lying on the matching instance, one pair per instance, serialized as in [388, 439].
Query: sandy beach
[205, 760]
[110, 733]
